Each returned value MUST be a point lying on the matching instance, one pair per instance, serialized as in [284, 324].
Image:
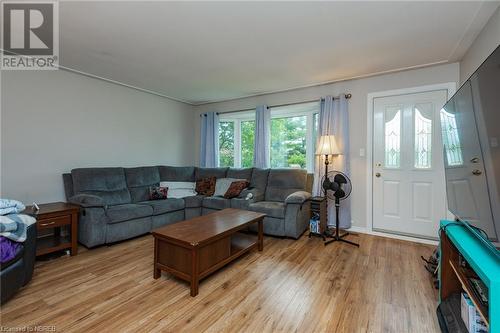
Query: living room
[246, 166]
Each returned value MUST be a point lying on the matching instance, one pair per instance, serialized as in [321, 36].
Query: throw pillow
[206, 186]
[235, 189]
[157, 193]
[222, 185]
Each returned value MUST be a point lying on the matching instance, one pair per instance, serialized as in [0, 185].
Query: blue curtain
[262, 142]
[209, 140]
[334, 120]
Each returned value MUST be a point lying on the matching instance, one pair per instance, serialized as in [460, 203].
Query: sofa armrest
[92, 226]
[29, 252]
[298, 197]
[257, 195]
[87, 200]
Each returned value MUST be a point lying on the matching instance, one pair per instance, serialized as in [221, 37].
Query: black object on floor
[449, 316]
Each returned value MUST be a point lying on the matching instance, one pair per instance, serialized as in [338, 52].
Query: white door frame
[451, 87]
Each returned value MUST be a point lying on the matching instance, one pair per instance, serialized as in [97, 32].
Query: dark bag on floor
[432, 266]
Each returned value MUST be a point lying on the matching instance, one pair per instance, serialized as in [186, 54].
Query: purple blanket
[8, 249]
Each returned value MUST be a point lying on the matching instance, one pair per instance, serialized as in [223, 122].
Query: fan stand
[337, 237]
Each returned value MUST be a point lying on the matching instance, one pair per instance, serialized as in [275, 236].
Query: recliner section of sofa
[18, 272]
[115, 203]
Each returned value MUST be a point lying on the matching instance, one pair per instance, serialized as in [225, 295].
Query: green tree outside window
[288, 142]
[226, 143]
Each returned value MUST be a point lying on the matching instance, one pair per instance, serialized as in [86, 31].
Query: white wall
[53, 121]
[484, 44]
[359, 89]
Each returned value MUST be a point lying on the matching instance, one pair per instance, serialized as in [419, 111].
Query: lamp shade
[327, 146]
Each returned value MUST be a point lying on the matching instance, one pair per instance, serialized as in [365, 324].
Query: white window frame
[237, 118]
[276, 112]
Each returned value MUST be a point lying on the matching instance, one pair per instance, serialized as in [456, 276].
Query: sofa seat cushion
[270, 208]
[240, 203]
[164, 206]
[120, 213]
[216, 203]
[194, 201]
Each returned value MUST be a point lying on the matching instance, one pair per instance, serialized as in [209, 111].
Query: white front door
[409, 195]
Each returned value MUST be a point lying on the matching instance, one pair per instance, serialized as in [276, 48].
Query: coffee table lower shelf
[194, 263]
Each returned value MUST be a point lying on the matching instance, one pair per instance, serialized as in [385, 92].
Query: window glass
[392, 130]
[226, 143]
[294, 130]
[451, 140]
[288, 142]
[423, 136]
[247, 142]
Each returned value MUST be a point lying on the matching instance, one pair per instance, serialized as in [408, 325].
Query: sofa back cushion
[108, 183]
[245, 173]
[210, 172]
[177, 174]
[259, 179]
[68, 185]
[283, 182]
[139, 180]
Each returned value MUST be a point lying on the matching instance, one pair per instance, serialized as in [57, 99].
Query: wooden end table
[195, 248]
[55, 216]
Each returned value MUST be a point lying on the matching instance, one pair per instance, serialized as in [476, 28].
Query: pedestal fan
[337, 187]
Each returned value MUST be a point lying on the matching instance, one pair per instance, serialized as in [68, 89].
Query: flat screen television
[470, 123]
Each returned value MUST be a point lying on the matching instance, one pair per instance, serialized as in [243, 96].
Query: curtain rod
[347, 96]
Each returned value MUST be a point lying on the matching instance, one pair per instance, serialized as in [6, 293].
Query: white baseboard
[363, 230]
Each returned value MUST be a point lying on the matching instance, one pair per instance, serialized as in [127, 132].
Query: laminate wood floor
[292, 286]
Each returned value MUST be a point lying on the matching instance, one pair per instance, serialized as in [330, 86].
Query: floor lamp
[327, 146]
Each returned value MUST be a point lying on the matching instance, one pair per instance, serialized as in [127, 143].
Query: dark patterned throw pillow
[158, 193]
[206, 186]
[235, 189]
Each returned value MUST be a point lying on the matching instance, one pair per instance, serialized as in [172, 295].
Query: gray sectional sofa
[115, 203]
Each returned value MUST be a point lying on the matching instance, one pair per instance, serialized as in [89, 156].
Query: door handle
[476, 172]
[474, 160]
[377, 174]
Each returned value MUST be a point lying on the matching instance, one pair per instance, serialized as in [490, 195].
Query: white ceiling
[209, 51]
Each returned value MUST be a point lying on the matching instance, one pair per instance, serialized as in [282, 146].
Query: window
[293, 137]
[226, 143]
[236, 138]
[247, 141]
[288, 142]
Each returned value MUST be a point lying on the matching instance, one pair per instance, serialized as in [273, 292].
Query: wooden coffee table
[195, 248]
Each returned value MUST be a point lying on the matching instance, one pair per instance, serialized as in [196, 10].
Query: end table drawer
[54, 222]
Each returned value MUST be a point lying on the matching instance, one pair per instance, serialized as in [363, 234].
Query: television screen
[470, 123]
